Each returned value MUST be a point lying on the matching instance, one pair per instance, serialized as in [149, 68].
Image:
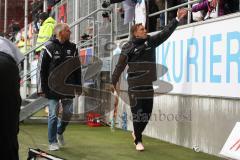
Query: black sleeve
[159, 38]
[78, 72]
[122, 62]
[44, 71]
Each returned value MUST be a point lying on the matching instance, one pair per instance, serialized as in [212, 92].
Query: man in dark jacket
[57, 51]
[10, 99]
[139, 55]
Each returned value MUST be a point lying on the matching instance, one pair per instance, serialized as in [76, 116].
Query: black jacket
[54, 54]
[139, 54]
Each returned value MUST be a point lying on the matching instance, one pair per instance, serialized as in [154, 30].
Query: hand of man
[112, 89]
[181, 13]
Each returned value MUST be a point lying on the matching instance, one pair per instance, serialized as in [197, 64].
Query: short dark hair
[134, 28]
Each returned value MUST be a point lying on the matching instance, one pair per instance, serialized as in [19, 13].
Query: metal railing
[80, 20]
[165, 11]
[86, 42]
[188, 4]
[27, 54]
[173, 8]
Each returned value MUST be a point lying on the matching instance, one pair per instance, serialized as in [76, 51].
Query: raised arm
[159, 38]
[122, 62]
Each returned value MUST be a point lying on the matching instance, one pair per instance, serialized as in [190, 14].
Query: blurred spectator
[18, 37]
[152, 21]
[158, 5]
[121, 12]
[21, 44]
[85, 37]
[14, 26]
[13, 29]
[107, 3]
[209, 8]
[62, 13]
[141, 10]
[106, 16]
[33, 67]
[46, 29]
[129, 10]
[197, 16]
[53, 2]
[161, 6]
[171, 14]
[37, 8]
[185, 19]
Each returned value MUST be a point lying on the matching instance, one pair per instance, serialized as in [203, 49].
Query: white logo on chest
[68, 52]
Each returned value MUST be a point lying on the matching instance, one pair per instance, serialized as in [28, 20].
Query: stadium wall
[203, 109]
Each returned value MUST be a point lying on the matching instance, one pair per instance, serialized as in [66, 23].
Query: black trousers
[141, 107]
[10, 102]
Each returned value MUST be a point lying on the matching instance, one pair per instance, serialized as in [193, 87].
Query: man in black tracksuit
[139, 55]
[57, 51]
[10, 99]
